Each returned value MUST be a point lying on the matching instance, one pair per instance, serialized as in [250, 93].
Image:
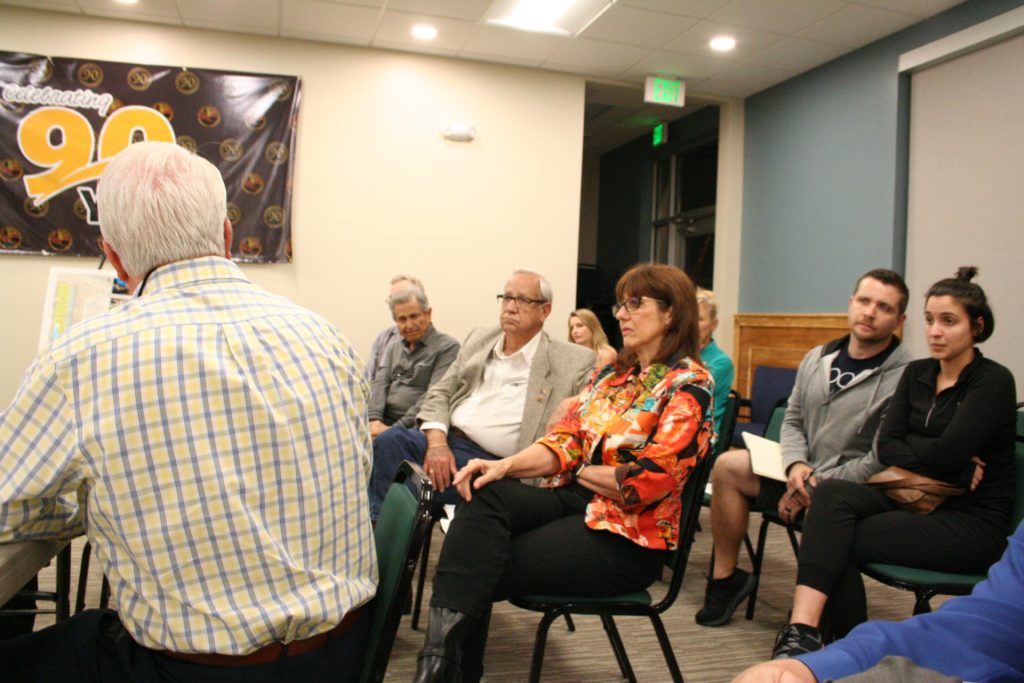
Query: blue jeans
[397, 444]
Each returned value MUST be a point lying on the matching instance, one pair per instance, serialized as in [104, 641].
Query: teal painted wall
[824, 192]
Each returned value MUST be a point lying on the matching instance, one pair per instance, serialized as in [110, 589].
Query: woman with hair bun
[952, 418]
[585, 329]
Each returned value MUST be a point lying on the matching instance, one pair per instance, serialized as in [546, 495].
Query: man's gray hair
[408, 278]
[159, 203]
[404, 296]
[546, 292]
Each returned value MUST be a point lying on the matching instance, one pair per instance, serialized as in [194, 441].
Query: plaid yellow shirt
[219, 435]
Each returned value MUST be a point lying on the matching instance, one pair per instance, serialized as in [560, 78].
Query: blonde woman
[712, 357]
[585, 329]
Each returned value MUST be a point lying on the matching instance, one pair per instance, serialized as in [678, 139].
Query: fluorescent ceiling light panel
[560, 17]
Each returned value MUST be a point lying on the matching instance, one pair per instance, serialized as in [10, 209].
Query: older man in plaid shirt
[217, 437]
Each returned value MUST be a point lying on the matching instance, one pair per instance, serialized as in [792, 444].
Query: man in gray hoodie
[833, 414]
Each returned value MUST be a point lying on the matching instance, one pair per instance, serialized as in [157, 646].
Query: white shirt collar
[528, 351]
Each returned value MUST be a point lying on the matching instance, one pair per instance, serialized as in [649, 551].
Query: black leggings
[850, 524]
[513, 539]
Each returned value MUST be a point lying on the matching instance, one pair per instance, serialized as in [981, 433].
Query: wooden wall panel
[779, 340]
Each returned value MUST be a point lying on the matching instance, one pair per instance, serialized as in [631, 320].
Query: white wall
[377, 191]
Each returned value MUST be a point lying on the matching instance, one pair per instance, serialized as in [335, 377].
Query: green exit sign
[660, 135]
[667, 91]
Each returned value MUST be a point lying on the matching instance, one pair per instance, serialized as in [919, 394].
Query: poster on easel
[74, 294]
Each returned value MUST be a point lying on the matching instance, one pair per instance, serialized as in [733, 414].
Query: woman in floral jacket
[617, 463]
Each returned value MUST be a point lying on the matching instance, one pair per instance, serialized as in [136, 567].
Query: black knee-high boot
[440, 660]
[473, 649]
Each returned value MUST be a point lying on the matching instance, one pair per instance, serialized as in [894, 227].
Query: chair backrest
[773, 430]
[399, 534]
[769, 385]
[1018, 504]
[732, 411]
[691, 502]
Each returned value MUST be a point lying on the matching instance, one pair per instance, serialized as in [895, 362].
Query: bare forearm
[533, 461]
[601, 480]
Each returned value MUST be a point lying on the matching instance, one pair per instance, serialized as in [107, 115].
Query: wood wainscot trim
[779, 340]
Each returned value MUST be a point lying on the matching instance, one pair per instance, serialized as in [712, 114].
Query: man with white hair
[211, 440]
[495, 399]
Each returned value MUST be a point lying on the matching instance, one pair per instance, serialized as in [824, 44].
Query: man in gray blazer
[495, 399]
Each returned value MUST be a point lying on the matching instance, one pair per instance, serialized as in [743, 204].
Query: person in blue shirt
[978, 637]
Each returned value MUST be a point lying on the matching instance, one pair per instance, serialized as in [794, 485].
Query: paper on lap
[765, 456]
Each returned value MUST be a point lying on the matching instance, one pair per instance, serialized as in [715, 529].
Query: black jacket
[937, 435]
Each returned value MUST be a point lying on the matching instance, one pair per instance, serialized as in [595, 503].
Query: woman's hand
[979, 472]
[479, 473]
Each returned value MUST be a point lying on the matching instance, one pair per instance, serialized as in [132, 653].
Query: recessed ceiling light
[128, 2]
[723, 43]
[424, 32]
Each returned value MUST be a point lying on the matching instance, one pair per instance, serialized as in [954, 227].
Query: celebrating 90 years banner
[62, 121]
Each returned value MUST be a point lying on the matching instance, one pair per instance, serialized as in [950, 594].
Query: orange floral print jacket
[653, 427]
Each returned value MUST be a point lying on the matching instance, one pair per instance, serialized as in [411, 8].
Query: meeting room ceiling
[775, 40]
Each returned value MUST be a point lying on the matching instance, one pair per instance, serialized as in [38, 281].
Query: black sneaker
[796, 639]
[722, 596]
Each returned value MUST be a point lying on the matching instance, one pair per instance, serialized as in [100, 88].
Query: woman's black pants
[513, 539]
[850, 524]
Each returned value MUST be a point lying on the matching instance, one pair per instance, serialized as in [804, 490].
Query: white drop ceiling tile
[748, 41]
[328, 21]
[796, 55]
[233, 27]
[509, 43]
[781, 16]
[58, 5]
[417, 49]
[377, 4]
[857, 25]
[634, 26]
[396, 29]
[498, 59]
[679, 65]
[454, 9]
[687, 8]
[144, 10]
[231, 15]
[740, 81]
[603, 56]
[112, 13]
[917, 8]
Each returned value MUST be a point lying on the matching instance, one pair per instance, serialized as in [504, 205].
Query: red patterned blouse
[654, 427]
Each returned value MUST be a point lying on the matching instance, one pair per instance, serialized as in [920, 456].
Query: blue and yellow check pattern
[219, 436]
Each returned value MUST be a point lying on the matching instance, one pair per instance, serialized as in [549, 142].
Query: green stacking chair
[632, 604]
[925, 583]
[772, 431]
[401, 528]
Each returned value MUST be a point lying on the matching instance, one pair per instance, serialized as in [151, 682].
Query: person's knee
[732, 470]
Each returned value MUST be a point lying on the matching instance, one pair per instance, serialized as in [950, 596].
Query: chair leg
[417, 603]
[539, 643]
[793, 541]
[750, 547]
[83, 577]
[63, 597]
[762, 534]
[618, 648]
[105, 593]
[923, 596]
[568, 623]
[666, 649]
